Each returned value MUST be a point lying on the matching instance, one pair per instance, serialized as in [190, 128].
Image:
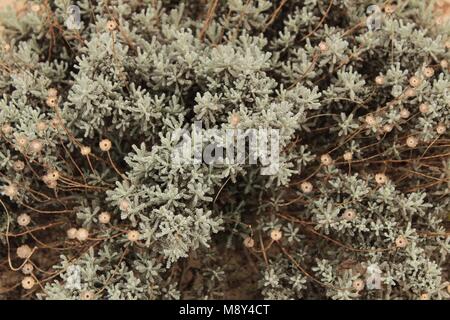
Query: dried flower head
[52, 92]
[390, 8]
[82, 234]
[18, 165]
[428, 72]
[41, 126]
[306, 187]
[323, 47]
[6, 129]
[133, 235]
[105, 145]
[404, 113]
[444, 64]
[326, 159]
[28, 283]
[424, 296]
[72, 233]
[276, 235]
[412, 142]
[370, 120]
[414, 81]
[358, 284]
[348, 156]
[85, 151]
[388, 128]
[440, 128]
[27, 268]
[24, 251]
[124, 205]
[36, 146]
[380, 178]
[23, 220]
[104, 217]
[424, 108]
[11, 191]
[349, 214]
[21, 141]
[52, 101]
[379, 80]
[87, 295]
[401, 242]
[249, 242]
[410, 92]
[111, 25]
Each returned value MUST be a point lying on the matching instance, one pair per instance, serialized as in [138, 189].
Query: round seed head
[306, 187]
[23, 251]
[82, 234]
[276, 235]
[249, 242]
[28, 283]
[105, 145]
[23, 220]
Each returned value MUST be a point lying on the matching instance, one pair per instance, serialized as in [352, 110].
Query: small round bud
[390, 8]
[124, 205]
[379, 80]
[11, 191]
[133, 235]
[82, 234]
[249, 242]
[234, 120]
[370, 120]
[27, 268]
[349, 214]
[53, 175]
[348, 156]
[380, 178]
[105, 145]
[28, 283]
[358, 285]
[87, 295]
[276, 235]
[388, 128]
[35, 7]
[111, 25]
[41, 126]
[104, 217]
[52, 92]
[23, 251]
[56, 123]
[23, 220]
[326, 159]
[401, 242]
[18, 166]
[36, 146]
[440, 128]
[72, 233]
[85, 151]
[323, 47]
[21, 141]
[412, 142]
[410, 92]
[306, 187]
[424, 108]
[6, 129]
[428, 72]
[404, 113]
[424, 296]
[52, 101]
[414, 81]
[444, 64]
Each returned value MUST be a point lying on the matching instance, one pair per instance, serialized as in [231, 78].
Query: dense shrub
[94, 207]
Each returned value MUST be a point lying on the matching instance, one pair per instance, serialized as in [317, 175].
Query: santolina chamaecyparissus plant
[96, 93]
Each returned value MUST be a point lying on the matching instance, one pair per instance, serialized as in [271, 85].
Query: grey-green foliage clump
[356, 210]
